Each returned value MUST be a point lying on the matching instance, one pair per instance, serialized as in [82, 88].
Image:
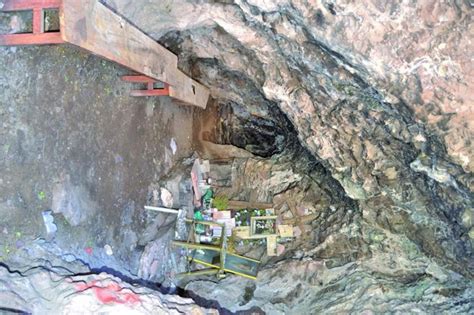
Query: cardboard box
[229, 225]
[271, 246]
[217, 215]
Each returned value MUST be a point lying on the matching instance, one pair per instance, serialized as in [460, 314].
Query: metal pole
[202, 272]
[161, 209]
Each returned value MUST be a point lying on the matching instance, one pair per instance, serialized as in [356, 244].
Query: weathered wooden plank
[237, 204]
[301, 219]
[94, 27]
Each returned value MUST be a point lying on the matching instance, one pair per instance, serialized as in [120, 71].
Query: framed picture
[265, 225]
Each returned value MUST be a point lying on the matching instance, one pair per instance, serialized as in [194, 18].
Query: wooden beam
[297, 220]
[209, 223]
[94, 27]
[201, 272]
[237, 204]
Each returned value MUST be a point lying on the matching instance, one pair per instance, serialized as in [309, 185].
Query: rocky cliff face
[370, 103]
[52, 286]
[354, 118]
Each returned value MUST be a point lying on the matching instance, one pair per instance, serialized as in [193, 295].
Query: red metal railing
[38, 36]
[151, 90]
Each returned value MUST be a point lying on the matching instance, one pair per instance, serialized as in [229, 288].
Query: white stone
[108, 250]
[166, 198]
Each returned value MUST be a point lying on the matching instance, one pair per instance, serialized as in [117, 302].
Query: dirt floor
[66, 114]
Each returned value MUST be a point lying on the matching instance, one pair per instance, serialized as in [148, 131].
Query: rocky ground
[353, 118]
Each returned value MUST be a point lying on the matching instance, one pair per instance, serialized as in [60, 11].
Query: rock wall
[74, 141]
[38, 290]
[353, 117]
[378, 96]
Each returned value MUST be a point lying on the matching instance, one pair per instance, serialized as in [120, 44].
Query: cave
[341, 130]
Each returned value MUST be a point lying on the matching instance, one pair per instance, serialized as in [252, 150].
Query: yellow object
[285, 230]
[217, 257]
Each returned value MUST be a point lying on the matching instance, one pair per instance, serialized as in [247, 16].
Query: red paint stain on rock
[111, 293]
